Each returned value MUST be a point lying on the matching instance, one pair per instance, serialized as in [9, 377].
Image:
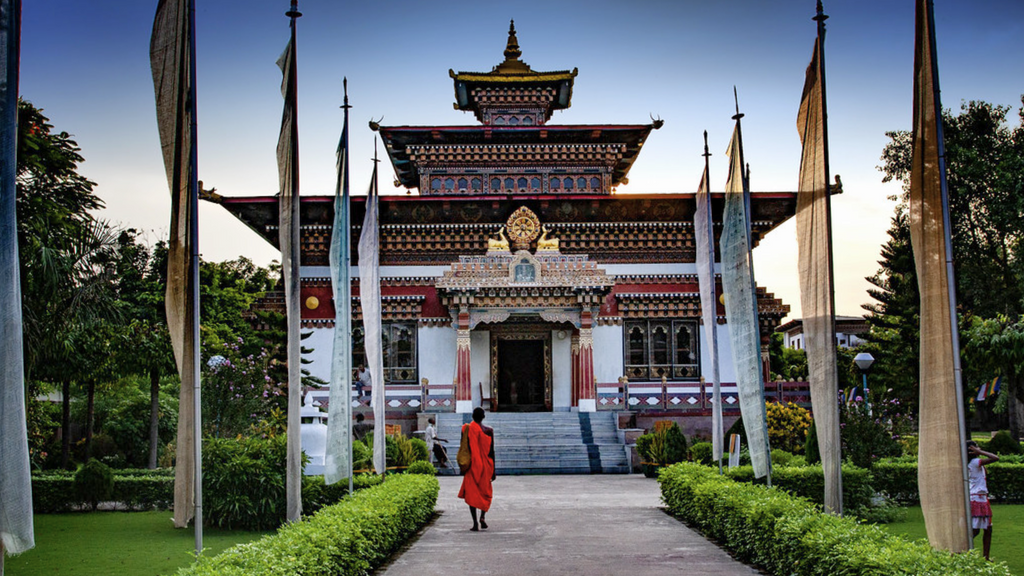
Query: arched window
[556, 184]
[495, 184]
[582, 183]
[513, 121]
[499, 121]
[528, 121]
[509, 184]
[521, 183]
[595, 183]
[435, 184]
[463, 184]
[534, 183]
[475, 183]
[449, 184]
[568, 183]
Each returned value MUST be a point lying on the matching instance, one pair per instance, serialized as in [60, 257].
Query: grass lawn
[105, 543]
[1007, 533]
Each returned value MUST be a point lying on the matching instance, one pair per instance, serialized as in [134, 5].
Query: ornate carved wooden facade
[515, 230]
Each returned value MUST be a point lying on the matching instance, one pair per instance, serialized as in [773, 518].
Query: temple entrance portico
[538, 309]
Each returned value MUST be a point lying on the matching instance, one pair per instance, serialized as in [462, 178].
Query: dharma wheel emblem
[523, 228]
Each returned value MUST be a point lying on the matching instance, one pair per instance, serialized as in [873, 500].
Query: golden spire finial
[512, 51]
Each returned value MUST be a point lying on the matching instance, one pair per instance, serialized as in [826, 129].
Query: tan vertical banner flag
[288, 237]
[369, 300]
[814, 238]
[940, 453]
[172, 82]
[16, 528]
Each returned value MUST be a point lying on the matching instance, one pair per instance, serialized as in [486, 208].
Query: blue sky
[86, 63]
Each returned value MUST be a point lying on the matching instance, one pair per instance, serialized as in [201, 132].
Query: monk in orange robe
[476, 484]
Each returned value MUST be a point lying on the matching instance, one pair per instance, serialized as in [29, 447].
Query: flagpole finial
[294, 11]
[375, 159]
[736, 97]
[820, 16]
[344, 85]
[706, 152]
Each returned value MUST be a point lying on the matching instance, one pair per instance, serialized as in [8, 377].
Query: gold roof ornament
[545, 244]
[523, 228]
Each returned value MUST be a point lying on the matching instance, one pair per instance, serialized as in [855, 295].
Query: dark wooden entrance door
[521, 375]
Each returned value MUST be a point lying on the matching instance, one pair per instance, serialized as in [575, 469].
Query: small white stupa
[314, 436]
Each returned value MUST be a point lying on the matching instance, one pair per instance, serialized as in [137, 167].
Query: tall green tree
[985, 175]
[995, 347]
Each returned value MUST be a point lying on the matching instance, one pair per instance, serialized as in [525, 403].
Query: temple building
[514, 276]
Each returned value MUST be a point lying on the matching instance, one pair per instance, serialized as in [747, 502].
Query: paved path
[565, 525]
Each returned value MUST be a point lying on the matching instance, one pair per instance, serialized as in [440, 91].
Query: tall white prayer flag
[705, 236]
[741, 307]
[369, 300]
[338, 460]
[289, 239]
[16, 530]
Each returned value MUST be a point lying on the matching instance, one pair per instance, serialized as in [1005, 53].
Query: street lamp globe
[864, 360]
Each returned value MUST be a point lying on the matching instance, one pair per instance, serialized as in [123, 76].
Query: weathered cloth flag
[16, 530]
[173, 77]
[813, 234]
[369, 300]
[705, 236]
[338, 460]
[741, 308]
[940, 461]
[288, 237]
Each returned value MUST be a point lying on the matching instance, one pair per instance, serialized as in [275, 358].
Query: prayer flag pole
[703, 223]
[290, 238]
[942, 469]
[16, 521]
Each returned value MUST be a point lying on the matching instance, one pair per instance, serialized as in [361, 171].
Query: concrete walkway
[565, 525]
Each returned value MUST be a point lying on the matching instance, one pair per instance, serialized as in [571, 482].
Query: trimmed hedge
[349, 538]
[789, 535]
[898, 480]
[52, 493]
[809, 482]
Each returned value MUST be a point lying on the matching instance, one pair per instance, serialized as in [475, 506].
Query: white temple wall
[436, 353]
[608, 361]
[726, 365]
[480, 364]
[322, 342]
[561, 370]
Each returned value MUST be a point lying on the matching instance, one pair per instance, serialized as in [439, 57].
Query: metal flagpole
[716, 408]
[347, 263]
[950, 276]
[820, 18]
[193, 211]
[750, 245]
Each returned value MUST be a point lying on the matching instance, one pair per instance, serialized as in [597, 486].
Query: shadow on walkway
[565, 525]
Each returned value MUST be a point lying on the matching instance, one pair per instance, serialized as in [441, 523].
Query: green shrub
[663, 446]
[54, 493]
[781, 458]
[1004, 443]
[94, 482]
[362, 455]
[866, 437]
[347, 539]
[144, 492]
[702, 452]
[784, 534]
[898, 480]
[244, 482]
[316, 494]
[809, 482]
[811, 451]
[421, 467]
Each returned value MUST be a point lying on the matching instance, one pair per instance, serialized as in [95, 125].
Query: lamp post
[864, 360]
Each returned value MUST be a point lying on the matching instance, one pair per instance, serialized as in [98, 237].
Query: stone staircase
[547, 442]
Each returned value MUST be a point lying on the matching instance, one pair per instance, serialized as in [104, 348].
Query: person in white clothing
[981, 510]
[433, 449]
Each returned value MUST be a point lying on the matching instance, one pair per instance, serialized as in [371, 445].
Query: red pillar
[463, 378]
[575, 363]
[588, 389]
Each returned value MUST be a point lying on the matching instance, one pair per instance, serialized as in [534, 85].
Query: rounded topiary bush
[421, 467]
[94, 482]
[701, 452]
[1004, 443]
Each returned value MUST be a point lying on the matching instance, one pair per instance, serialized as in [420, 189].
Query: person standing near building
[476, 484]
[434, 450]
[981, 510]
[363, 380]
